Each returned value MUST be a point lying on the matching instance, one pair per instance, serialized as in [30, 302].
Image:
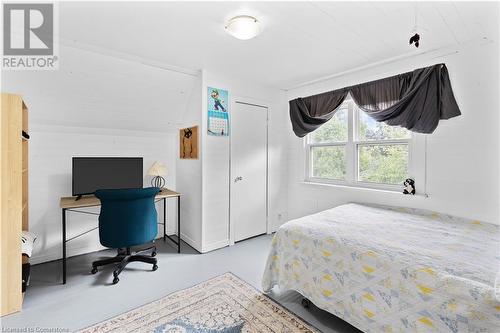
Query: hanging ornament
[415, 38]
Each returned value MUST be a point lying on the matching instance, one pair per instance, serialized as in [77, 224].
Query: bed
[390, 269]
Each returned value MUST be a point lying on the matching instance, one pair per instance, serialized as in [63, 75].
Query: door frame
[258, 103]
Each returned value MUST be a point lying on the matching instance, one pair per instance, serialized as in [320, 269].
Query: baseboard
[214, 246]
[190, 242]
[71, 252]
[39, 259]
[85, 250]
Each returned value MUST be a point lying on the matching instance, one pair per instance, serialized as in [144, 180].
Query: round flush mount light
[243, 27]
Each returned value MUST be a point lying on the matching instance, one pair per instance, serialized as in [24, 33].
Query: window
[353, 149]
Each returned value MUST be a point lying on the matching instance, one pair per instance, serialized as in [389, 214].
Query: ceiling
[96, 91]
[301, 41]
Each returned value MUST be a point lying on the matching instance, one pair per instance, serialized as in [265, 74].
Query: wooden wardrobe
[14, 140]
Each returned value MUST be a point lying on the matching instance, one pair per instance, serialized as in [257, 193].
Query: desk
[70, 204]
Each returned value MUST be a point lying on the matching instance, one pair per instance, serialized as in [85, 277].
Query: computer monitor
[94, 173]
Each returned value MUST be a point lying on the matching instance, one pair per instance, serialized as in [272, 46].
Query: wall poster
[218, 113]
[188, 139]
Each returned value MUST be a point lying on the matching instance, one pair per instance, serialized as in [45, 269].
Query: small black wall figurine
[415, 39]
[409, 186]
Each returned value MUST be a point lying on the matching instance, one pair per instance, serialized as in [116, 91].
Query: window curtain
[415, 100]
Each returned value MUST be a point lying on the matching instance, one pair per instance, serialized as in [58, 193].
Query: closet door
[248, 206]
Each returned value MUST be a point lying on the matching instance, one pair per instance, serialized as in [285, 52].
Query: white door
[248, 208]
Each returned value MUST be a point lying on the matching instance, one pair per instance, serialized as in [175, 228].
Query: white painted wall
[216, 154]
[102, 104]
[96, 104]
[51, 150]
[204, 183]
[463, 152]
[189, 181]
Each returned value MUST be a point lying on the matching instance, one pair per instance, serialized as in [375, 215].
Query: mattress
[389, 269]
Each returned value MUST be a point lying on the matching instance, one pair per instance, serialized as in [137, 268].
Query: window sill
[362, 188]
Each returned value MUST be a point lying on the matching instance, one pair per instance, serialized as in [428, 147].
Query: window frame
[352, 155]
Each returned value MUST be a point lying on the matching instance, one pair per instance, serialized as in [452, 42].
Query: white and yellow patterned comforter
[387, 269]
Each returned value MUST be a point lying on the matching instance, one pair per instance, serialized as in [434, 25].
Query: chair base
[124, 257]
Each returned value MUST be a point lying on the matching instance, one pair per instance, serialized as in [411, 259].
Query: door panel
[248, 210]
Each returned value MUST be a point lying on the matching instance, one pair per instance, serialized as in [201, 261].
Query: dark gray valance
[415, 100]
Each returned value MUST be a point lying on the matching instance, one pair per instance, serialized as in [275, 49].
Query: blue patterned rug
[225, 304]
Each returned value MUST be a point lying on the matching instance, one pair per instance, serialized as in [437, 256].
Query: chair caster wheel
[153, 254]
[94, 270]
[115, 280]
[306, 303]
[155, 267]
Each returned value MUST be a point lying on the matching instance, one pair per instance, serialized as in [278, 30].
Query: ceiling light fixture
[243, 27]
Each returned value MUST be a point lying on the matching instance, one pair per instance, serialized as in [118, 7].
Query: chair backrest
[128, 216]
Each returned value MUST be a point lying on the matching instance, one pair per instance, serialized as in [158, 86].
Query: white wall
[96, 104]
[51, 150]
[215, 174]
[73, 110]
[462, 154]
[205, 182]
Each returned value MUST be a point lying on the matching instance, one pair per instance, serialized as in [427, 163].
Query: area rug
[224, 304]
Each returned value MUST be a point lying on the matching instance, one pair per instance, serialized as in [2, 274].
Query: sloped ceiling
[301, 41]
[99, 91]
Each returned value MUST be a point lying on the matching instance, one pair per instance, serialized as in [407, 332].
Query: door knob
[237, 179]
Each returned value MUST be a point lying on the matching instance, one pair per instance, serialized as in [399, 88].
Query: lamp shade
[157, 169]
[243, 27]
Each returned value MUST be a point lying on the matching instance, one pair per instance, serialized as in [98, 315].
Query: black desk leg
[64, 244]
[164, 219]
[179, 224]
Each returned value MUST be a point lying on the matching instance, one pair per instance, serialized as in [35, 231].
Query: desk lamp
[157, 170]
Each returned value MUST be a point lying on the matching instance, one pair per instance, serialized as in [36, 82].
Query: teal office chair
[128, 218]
